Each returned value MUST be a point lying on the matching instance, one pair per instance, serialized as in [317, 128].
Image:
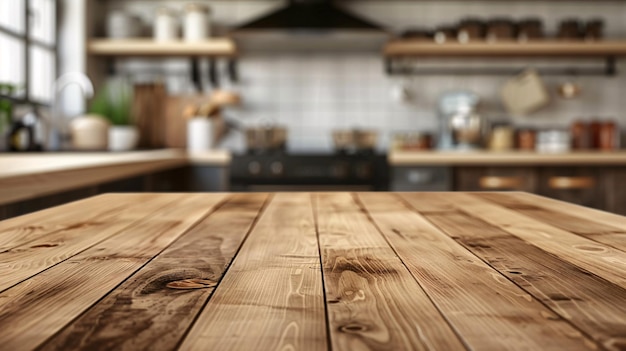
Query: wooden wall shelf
[547, 48]
[218, 47]
[608, 50]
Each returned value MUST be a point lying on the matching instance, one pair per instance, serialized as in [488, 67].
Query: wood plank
[604, 227]
[590, 303]
[505, 158]
[23, 229]
[373, 302]
[594, 257]
[145, 312]
[271, 297]
[222, 47]
[23, 261]
[34, 310]
[487, 310]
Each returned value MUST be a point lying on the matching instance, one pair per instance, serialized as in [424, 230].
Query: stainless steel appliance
[461, 127]
[278, 171]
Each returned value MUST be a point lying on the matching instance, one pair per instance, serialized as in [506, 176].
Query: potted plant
[114, 102]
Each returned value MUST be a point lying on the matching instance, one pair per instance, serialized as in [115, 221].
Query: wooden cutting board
[175, 123]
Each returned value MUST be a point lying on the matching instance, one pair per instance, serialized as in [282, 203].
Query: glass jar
[526, 139]
[529, 29]
[165, 25]
[500, 29]
[197, 23]
[471, 30]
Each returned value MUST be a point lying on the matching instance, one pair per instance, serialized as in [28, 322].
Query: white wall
[313, 94]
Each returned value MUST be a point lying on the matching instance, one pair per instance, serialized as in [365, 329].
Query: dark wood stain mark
[363, 265]
[561, 297]
[43, 245]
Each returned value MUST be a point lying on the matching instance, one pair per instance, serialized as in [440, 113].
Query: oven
[281, 171]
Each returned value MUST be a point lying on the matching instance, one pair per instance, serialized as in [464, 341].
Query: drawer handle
[491, 182]
[571, 182]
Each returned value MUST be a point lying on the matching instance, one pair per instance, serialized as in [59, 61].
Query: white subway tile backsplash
[315, 93]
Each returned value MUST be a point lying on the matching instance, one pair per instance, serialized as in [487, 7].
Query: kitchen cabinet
[421, 179]
[580, 185]
[495, 178]
[596, 187]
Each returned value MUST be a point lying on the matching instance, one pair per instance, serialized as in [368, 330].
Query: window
[28, 48]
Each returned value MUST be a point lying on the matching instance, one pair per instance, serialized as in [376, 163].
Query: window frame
[29, 42]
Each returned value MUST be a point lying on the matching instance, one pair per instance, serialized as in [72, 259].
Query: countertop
[29, 175]
[314, 271]
[507, 158]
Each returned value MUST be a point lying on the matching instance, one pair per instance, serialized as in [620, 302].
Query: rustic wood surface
[314, 271]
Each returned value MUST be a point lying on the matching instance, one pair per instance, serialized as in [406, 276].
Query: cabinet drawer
[582, 186]
[495, 179]
[421, 179]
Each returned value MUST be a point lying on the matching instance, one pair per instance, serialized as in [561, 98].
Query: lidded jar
[197, 22]
[165, 25]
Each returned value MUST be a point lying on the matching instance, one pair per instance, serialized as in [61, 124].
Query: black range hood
[311, 25]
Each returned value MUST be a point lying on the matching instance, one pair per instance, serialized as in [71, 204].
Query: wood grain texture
[604, 227]
[271, 297]
[489, 311]
[34, 310]
[23, 229]
[373, 302]
[589, 255]
[23, 261]
[154, 307]
[590, 303]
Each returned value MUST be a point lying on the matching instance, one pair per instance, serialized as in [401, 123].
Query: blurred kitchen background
[300, 101]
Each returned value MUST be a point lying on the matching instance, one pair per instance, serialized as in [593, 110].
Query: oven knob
[364, 171]
[254, 168]
[277, 168]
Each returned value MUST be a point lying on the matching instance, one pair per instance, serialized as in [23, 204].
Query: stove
[280, 171]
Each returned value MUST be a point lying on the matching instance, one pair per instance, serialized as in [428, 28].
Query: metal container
[354, 140]
[262, 139]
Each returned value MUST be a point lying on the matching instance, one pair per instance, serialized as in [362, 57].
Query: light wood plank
[604, 227]
[148, 47]
[489, 311]
[505, 158]
[145, 312]
[592, 256]
[271, 297]
[373, 302]
[34, 310]
[23, 229]
[21, 262]
[590, 303]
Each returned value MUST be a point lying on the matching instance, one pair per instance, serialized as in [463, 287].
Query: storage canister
[165, 25]
[196, 23]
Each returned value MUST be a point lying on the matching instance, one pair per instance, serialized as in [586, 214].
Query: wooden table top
[314, 271]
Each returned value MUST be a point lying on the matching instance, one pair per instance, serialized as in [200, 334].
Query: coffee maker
[461, 127]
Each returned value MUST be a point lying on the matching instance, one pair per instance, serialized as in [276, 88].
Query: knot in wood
[187, 284]
[352, 328]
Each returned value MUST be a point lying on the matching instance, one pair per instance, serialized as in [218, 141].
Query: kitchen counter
[29, 175]
[341, 271]
[509, 158]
